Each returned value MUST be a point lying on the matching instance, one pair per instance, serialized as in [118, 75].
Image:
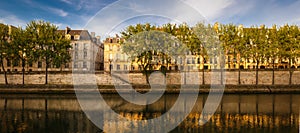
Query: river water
[55, 113]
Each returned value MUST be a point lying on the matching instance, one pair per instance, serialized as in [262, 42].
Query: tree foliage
[50, 46]
[39, 41]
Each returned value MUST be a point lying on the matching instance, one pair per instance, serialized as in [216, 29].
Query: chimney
[67, 30]
[93, 34]
[98, 39]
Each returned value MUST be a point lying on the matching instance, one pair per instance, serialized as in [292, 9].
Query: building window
[118, 56]
[39, 64]
[75, 65]
[85, 54]
[77, 37]
[110, 47]
[110, 56]
[84, 46]
[76, 55]
[125, 67]
[118, 67]
[199, 61]
[84, 65]
[193, 60]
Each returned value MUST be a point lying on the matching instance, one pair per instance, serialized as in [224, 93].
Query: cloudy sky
[80, 14]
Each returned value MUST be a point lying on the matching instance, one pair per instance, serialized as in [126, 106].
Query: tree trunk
[147, 78]
[256, 81]
[239, 75]
[146, 72]
[291, 72]
[273, 72]
[222, 77]
[203, 80]
[46, 76]
[291, 76]
[5, 76]
[23, 72]
[23, 75]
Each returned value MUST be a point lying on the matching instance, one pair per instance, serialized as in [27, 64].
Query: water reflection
[237, 113]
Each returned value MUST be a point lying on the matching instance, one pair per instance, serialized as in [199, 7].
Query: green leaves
[49, 45]
[39, 41]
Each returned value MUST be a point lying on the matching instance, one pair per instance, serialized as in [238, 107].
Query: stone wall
[231, 78]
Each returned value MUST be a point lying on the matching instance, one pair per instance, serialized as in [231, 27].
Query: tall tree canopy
[50, 46]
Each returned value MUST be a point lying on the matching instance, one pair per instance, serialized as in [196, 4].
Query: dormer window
[77, 37]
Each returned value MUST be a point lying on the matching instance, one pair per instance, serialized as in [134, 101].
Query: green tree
[209, 46]
[232, 41]
[48, 43]
[62, 48]
[289, 42]
[22, 48]
[4, 47]
[152, 46]
[258, 45]
[273, 51]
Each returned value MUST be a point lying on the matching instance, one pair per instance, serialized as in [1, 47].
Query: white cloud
[211, 9]
[59, 12]
[12, 20]
[66, 1]
[253, 12]
[124, 10]
[49, 9]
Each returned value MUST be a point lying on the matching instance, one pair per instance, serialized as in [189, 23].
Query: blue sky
[77, 13]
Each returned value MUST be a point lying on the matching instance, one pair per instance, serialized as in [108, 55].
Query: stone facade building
[86, 54]
[86, 50]
[114, 58]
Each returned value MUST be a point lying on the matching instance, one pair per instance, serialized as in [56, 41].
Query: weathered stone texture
[231, 78]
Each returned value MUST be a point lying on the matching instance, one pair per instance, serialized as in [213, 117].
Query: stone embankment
[64, 82]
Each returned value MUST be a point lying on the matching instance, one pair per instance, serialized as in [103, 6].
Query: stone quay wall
[231, 78]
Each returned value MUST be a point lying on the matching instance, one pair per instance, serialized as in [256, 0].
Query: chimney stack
[67, 30]
[93, 34]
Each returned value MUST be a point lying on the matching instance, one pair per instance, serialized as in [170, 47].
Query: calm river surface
[236, 113]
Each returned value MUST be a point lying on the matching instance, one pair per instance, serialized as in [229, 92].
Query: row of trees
[262, 45]
[258, 43]
[39, 41]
